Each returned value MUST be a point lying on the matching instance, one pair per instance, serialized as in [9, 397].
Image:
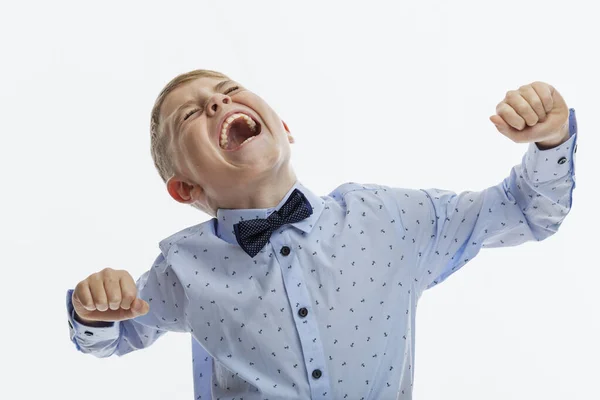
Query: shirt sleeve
[158, 286]
[449, 229]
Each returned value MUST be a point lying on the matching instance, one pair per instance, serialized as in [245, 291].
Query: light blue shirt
[334, 317]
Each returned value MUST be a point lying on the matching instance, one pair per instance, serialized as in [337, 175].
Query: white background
[395, 93]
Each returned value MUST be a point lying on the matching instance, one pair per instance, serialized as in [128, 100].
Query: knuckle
[94, 282]
[112, 290]
[538, 105]
[99, 293]
[114, 299]
[94, 277]
[522, 108]
[128, 294]
[101, 304]
[548, 100]
[79, 294]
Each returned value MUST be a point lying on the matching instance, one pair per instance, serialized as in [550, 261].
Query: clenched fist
[533, 113]
[108, 295]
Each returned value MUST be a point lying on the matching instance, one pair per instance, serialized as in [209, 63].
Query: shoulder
[356, 189]
[392, 197]
[369, 192]
[169, 243]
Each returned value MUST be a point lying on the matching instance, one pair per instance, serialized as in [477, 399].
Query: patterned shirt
[326, 310]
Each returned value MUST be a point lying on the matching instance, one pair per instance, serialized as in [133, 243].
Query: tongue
[238, 133]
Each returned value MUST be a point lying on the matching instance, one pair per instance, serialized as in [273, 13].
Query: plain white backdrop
[395, 93]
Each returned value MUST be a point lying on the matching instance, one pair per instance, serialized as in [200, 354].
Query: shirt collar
[226, 218]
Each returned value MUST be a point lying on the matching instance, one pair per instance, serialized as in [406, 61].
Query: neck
[262, 193]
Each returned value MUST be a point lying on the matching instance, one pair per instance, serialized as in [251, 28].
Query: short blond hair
[161, 154]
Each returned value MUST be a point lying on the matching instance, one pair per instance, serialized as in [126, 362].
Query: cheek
[257, 103]
[193, 145]
[187, 151]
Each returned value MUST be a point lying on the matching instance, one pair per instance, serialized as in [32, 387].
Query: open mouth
[238, 129]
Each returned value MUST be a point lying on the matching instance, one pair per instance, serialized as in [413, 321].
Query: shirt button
[562, 160]
[316, 373]
[303, 312]
[88, 333]
[285, 250]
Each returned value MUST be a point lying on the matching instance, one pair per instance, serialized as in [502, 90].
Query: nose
[215, 103]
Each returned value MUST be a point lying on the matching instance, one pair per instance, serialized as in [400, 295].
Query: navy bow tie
[253, 235]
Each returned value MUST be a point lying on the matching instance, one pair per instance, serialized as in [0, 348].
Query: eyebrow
[175, 113]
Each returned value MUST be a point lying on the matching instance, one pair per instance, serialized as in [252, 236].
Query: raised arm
[449, 229]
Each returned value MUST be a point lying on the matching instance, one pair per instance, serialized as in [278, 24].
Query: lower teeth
[249, 139]
[224, 143]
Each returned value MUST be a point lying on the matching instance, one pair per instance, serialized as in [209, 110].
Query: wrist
[87, 322]
[563, 136]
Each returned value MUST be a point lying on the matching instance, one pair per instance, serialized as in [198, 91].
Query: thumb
[140, 307]
[499, 122]
[504, 128]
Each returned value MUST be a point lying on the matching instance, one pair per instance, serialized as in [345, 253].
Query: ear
[290, 137]
[183, 192]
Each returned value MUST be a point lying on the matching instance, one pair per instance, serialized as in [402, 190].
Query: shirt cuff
[88, 334]
[547, 165]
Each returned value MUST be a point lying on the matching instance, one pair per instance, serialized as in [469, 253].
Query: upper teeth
[228, 123]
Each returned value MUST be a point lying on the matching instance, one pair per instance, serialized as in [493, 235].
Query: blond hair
[161, 154]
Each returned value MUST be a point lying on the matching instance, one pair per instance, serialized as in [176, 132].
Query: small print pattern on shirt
[326, 310]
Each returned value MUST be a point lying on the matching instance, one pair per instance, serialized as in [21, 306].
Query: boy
[288, 295]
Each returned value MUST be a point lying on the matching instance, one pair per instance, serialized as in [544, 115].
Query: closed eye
[231, 89]
[191, 112]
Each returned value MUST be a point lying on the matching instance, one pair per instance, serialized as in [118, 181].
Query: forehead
[187, 91]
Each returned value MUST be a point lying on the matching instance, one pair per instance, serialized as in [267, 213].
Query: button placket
[306, 325]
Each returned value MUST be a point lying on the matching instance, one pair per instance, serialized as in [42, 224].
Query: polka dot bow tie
[253, 235]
